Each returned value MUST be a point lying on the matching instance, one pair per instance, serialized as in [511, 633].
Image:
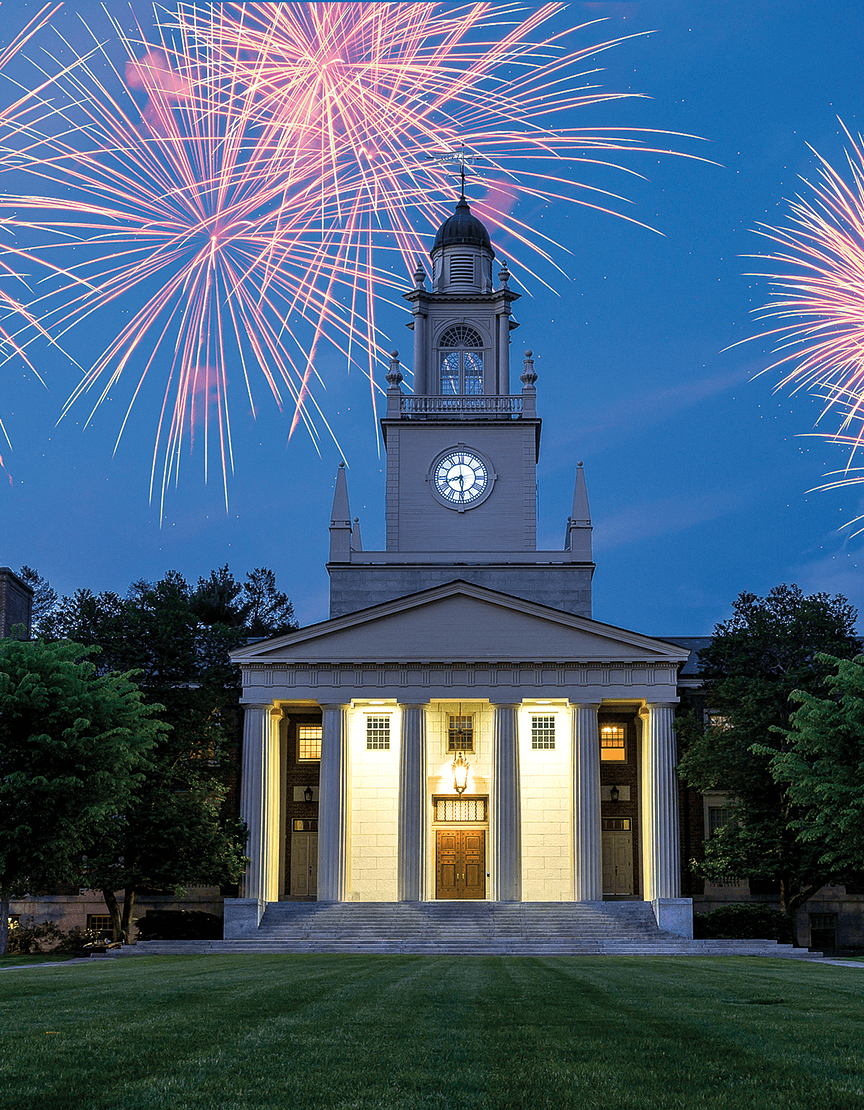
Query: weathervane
[461, 157]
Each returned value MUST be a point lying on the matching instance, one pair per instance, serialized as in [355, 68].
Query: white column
[412, 804]
[333, 807]
[259, 800]
[421, 372]
[504, 354]
[506, 802]
[661, 852]
[587, 839]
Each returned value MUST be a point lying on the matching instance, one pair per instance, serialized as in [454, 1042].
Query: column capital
[335, 705]
[262, 705]
[276, 712]
[506, 704]
[413, 704]
[585, 704]
[662, 704]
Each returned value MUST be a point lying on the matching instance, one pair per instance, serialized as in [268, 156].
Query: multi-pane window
[717, 720]
[308, 742]
[613, 747]
[378, 734]
[460, 734]
[461, 361]
[543, 733]
[98, 923]
[718, 816]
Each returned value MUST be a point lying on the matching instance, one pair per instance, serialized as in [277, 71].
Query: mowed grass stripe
[357, 1033]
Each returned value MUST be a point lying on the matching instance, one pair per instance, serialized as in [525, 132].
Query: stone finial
[504, 275]
[420, 278]
[528, 377]
[394, 376]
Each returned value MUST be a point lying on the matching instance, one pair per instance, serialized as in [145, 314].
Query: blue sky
[697, 472]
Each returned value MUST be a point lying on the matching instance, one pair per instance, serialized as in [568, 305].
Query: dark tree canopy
[822, 768]
[180, 829]
[768, 648]
[75, 746]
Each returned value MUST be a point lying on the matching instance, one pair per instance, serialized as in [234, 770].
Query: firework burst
[250, 178]
[818, 299]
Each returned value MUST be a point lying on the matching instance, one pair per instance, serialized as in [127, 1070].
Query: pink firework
[254, 182]
[818, 298]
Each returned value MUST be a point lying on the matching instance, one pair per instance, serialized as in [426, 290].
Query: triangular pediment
[461, 622]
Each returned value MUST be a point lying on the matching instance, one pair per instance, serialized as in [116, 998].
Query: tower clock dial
[461, 478]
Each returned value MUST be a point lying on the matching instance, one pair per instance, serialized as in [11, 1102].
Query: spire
[579, 529]
[356, 542]
[340, 521]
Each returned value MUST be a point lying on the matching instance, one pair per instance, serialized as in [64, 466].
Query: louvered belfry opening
[461, 269]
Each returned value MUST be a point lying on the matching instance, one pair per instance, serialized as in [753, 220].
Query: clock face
[460, 478]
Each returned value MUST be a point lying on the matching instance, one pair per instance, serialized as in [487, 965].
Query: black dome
[462, 229]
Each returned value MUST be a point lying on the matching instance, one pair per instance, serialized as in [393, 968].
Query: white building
[460, 727]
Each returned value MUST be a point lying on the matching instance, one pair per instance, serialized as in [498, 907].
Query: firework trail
[818, 299]
[280, 172]
[9, 127]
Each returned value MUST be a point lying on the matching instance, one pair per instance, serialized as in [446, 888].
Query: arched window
[461, 361]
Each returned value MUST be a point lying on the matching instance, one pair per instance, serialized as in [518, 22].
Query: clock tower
[462, 452]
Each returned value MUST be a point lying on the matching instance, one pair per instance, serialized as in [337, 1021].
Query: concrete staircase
[467, 928]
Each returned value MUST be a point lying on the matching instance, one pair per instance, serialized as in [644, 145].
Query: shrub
[743, 921]
[26, 938]
[179, 925]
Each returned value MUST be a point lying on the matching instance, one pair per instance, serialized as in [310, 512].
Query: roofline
[456, 586]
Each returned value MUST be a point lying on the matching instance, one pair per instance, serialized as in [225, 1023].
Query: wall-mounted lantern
[460, 773]
[614, 794]
[308, 794]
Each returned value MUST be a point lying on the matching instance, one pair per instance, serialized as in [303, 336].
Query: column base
[242, 917]
[675, 915]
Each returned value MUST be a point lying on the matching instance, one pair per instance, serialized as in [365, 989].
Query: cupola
[462, 254]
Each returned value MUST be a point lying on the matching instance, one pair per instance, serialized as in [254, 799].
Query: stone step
[466, 928]
[609, 948]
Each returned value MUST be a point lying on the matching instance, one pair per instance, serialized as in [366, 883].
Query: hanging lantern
[460, 773]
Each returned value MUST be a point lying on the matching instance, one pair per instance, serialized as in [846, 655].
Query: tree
[770, 647]
[822, 769]
[44, 597]
[179, 829]
[73, 748]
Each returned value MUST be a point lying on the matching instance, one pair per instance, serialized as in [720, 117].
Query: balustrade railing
[461, 405]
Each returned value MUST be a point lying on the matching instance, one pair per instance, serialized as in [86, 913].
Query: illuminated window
[99, 923]
[612, 746]
[718, 720]
[378, 734]
[460, 809]
[460, 735]
[542, 734]
[308, 743]
[305, 824]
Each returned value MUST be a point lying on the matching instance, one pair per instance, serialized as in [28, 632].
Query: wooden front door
[461, 863]
[617, 862]
[304, 863]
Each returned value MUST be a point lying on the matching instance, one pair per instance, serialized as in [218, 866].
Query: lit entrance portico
[535, 799]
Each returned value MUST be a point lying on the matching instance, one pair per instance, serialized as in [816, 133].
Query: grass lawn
[42, 958]
[449, 1033]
